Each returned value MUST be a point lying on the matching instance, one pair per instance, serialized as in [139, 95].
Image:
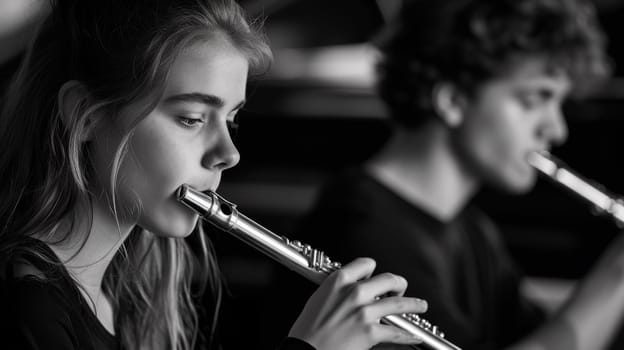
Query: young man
[473, 88]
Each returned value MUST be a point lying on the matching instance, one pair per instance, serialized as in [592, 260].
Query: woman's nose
[221, 154]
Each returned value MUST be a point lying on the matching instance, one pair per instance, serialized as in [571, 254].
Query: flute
[560, 173]
[301, 258]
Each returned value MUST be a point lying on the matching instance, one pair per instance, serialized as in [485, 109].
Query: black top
[48, 311]
[460, 267]
[295, 344]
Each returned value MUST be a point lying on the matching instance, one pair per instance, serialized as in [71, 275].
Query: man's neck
[421, 167]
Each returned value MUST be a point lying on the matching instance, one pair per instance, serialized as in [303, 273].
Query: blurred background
[316, 111]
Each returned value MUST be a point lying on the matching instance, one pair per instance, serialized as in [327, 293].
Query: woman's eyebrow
[197, 97]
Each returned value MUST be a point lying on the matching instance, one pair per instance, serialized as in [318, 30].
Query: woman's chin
[183, 229]
[178, 227]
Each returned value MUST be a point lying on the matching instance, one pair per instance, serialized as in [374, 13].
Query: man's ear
[449, 103]
[71, 96]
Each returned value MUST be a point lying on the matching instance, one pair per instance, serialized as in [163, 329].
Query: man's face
[508, 118]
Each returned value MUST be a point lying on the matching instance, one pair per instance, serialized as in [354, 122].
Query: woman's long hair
[121, 52]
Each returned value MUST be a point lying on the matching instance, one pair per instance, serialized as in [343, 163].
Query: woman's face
[184, 140]
[507, 119]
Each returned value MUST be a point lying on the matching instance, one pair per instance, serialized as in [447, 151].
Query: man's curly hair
[468, 42]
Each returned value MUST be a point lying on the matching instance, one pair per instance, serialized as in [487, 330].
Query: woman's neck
[93, 239]
[92, 243]
[421, 167]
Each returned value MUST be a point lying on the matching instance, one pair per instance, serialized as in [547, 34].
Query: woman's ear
[71, 96]
[449, 103]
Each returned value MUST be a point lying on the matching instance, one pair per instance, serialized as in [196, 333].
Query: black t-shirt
[47, 311]
[460, 267]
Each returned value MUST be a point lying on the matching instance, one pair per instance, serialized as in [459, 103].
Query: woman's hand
[344, 312]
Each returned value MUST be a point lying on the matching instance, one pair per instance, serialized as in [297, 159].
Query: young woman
[116, 105]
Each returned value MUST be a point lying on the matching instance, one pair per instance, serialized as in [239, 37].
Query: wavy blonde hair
[121, 52]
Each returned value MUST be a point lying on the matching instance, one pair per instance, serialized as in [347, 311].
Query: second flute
[557, 171]
[303, 259]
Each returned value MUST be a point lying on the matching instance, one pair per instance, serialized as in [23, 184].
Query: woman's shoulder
[32, 281]
[28, 257]
[33, 284]
[33, 298]
[38, 306]
[34, 311]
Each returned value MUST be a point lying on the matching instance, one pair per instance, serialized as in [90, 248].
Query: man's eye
[189, 122]
[530, 101]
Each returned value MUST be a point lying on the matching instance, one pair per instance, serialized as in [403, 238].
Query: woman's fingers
[344, 312]
[358, 269]
[380, 333]
[336, 289]
[379, 285]
[391, 306]
[367, 299]
[328, 300]
[368, 317]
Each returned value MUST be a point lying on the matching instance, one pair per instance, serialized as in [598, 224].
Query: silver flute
[301, 258]
[603, 201]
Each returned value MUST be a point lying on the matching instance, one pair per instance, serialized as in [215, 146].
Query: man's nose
[554, 128]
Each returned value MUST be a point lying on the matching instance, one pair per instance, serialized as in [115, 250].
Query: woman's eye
[232, 126]
[189, 122]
